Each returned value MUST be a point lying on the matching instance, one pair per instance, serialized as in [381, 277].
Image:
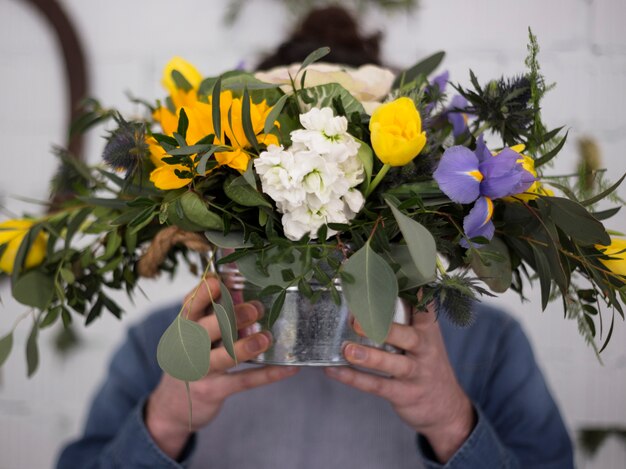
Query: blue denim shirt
[518, 425]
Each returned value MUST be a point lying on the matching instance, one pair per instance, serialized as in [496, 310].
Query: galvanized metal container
[305, 334]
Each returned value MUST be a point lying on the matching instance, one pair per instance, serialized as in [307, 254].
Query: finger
[246, 314]
[401, 336]
[425, 318]
[245, 349]
[198, 301]
[372, 384]
[393, 364]
[232, 383]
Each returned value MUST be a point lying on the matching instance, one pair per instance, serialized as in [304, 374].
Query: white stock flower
[281, 175]
[326, 134]
[314, 181]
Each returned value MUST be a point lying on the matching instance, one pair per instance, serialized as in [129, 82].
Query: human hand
[167, 409]
[421, 386]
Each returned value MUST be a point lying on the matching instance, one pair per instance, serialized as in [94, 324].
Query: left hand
[421, 387]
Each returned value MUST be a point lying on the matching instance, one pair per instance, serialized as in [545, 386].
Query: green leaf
[232, 240]
[551, 154]
[32, 351]
[184, 350]
[67, 275]
[407, 272]
[6, 344]
[248, 267]
[114, 241]
[180, 81]
[323, 95]
[189, 150]
[603, 194]
[246, 121]
[314, 56]
[225, 312]
[196, 211]
[34, 288]
[216, 108]
[274, 114]
[577, 222]
[183, 125]
[366, 156]
[22, 252]
[372, 296]
[276, 308]
[492, 265]
[238, 190]
[542, 267]
[424, 68]
[421, 243]
[204, 159]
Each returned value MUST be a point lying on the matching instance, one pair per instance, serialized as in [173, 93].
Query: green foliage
[419, 71]
[184, 349]
[372, 294]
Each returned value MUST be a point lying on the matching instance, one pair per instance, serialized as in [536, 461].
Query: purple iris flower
[456, 115]
[440, 82]
[478, 176]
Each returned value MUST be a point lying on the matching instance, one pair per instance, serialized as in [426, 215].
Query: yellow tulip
[396, 131]
[12, 233]
[188, 71]
[617, 265]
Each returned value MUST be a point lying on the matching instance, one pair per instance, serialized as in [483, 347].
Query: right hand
[167, 410]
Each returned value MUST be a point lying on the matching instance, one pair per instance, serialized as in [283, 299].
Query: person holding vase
[454, 398]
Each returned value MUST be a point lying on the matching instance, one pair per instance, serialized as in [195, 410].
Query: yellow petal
[191, 74]
[35, 255]
[236, 159]
[165, 178]
[618, 265]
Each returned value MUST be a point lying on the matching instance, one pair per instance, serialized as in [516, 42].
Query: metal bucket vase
[305, 333]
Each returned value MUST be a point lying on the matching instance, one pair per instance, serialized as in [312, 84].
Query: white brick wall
[583, 49]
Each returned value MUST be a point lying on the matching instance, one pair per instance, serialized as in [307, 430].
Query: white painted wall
[128, 41]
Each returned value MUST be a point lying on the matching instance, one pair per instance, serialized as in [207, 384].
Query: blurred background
[125, 44]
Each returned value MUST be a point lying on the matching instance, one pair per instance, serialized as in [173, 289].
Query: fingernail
[356, 352]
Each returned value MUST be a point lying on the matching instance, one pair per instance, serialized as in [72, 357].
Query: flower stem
[379, 177]
[440, 267]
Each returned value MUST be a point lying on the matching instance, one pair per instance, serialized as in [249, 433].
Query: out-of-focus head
[329, 26]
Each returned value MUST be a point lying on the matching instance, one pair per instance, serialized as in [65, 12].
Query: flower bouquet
[369, 184]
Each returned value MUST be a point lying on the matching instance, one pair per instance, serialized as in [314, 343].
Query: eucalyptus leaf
[34, 288]
[184, 350]
[228, 331]
[227, 320]
[372, 296]
[197, 212]
[232, 240]
[496, 272]
[277, 307]
[32, 351]
[238, 190]
[248, 267]
[6, 344]
[421, 243]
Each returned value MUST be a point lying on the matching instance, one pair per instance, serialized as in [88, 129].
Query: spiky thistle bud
[126, 146]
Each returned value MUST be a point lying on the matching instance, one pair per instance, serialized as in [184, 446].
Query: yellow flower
[190, 74]
[396, 130]
[537, 188]
[12, 233]
[233, 128]
[618, 265]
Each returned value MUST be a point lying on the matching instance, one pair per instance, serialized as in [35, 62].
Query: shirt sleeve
[518, 423]
[115, 435]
